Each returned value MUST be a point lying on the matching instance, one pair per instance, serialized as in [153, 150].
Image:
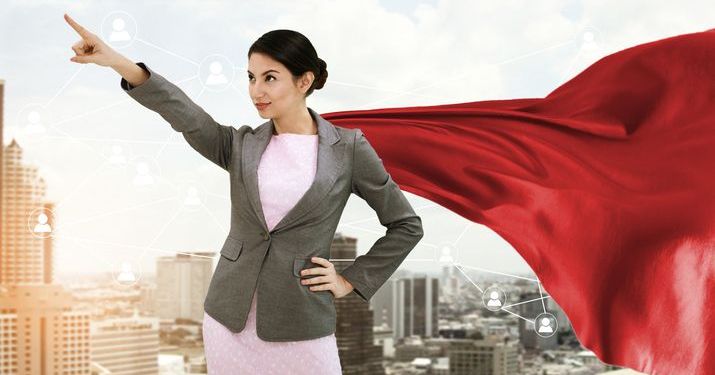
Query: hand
[334, 282]
[91, 49]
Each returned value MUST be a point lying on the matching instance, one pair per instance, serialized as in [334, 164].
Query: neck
[298, 122]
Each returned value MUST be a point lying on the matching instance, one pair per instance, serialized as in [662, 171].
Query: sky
[379, 54]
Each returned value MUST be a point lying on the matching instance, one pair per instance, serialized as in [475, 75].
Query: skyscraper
[182, 283]
[354, 327]
[491, 356]
[414, 309]
[24, 257]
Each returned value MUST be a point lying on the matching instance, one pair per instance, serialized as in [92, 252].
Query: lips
[262, 105]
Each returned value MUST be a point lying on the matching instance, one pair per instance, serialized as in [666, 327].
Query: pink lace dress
[286, 170]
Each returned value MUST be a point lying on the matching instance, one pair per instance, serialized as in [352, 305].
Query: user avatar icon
[493, 298]
[117, 157]
[588, 41]
[34, 123]
[216, 72]
[216, 76]
[446, 255]
[126, 275]
[545, 324]
[143, 177]
[42, 226]
[119, 32]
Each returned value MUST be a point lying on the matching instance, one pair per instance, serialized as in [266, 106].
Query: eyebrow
[266, 72]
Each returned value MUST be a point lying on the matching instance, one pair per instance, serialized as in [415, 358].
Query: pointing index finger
[77, 27]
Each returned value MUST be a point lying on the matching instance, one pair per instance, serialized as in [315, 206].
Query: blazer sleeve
[371, 182]
[210, 139]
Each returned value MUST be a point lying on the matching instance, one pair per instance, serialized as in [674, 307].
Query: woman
[295, 173]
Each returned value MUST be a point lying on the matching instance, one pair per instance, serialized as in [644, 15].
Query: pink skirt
[245, 353]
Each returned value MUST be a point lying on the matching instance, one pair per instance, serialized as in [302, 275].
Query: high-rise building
[408, 305]
[450, 279]
[384, 303]
[126, 345]
[491, 356]
[26, 257]
[354, 327]
[415, 307]
[41, 333]
[424, 298]
[182, 283]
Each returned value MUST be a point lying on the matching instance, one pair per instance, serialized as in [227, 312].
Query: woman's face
[269, 81]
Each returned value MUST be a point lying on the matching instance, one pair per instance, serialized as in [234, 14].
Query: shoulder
[242, 130]
[348, 135]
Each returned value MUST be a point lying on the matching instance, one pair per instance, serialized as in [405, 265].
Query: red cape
[606, 187]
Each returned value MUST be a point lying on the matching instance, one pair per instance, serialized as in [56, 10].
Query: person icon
[446, 256]
[216, 76]
[143, 177]
[588, 40]
[494, 299]
[117, 157]
[192, 197]
[119, 34]
[126, 275]
[545, 325]
[42, 226]
[34, 123]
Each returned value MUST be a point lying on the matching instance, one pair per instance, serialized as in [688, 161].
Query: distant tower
[354, 331]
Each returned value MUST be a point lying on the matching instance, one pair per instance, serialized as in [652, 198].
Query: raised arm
[371, 182]
[211, 139]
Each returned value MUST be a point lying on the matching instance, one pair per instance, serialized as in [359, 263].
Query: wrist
[350, 286]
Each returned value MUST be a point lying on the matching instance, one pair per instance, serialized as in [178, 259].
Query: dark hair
[295, 51]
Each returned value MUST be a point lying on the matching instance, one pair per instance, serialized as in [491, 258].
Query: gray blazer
[254, 257]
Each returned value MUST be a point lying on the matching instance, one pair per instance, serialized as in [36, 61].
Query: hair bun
[322, 74]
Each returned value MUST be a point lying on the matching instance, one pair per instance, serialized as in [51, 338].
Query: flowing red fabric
[605, 187]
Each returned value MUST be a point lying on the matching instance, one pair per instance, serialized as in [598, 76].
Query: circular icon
[493, 298]
[33, 121]
[446, 254]
[126, 273]
[191, 195]
[145, 173]
[119, 29]
[216, 72]
[40, 222]
[591, 38]
[545, 324]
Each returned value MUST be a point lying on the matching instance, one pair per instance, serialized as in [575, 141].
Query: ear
[305, 81]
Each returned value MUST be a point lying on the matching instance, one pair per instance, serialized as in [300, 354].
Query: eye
[250, 77]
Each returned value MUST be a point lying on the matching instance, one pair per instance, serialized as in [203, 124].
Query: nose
[257, 94]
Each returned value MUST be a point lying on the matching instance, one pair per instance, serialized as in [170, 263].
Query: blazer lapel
[330, 161]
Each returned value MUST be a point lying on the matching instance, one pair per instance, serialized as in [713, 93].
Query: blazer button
[265, 236]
